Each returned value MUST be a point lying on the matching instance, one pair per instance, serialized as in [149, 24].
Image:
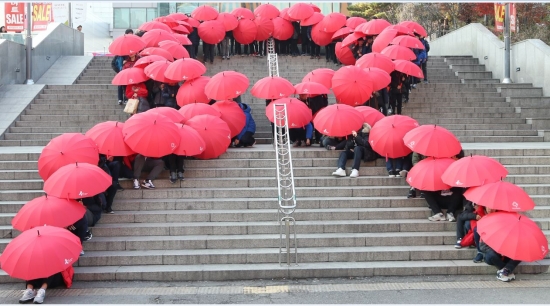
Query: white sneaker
[148, 184]
[354, 173]
[339, 172]
[403, 173]
[39, 299]
[119, 102]
[136, 184]
[437, 217]
[28, 295]
[451, 217]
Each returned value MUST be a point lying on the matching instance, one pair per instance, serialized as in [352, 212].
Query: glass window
[151, 14]
[137, 17]
[121, 18]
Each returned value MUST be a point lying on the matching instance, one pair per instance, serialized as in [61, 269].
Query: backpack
[116, 63]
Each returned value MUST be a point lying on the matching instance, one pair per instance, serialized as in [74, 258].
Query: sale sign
[500, 12]
[14, 16]
[41, 16]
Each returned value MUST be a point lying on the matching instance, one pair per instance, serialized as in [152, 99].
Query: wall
[531, 56]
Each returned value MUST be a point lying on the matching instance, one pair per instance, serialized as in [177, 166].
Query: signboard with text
[14, 16]
[41, 16]
[500, 13]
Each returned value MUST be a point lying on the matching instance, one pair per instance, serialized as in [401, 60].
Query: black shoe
[180, 176]
[406, 100]
[412, 194]
[173, 178]
[88, 236]
[422, 195]
[108, 211]
[119, 188]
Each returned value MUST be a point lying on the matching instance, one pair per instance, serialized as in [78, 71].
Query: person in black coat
[358, 148]
[316, 104]
[195, 40]
[396, 87]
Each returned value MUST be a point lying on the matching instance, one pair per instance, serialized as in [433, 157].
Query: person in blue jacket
[421, 57]
[246, 137]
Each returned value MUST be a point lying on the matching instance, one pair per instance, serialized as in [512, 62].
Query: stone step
[521, 92]
[466, 67]
[528, 101]
[461, 61]
[483, 81]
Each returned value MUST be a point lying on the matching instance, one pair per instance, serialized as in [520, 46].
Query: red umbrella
[342, 33]
[349, 86]
[311, 88]
[321, 75]
[298, 114]
[300, 11]
[175, 48]
[50, 211]
[333, 22]
[370, 115]
[191, 143]
[503, 196]
[383, 40]
[246, 31]
[196, 109]
[402, 30]
[204, 13]
[376, 60]
[193, 22]
[169, 112]
[157, 51]
[379, 78]
[415, 27]
[181, 29]
[214, 131]
[338, 120]
[513, 235]
[226, 85]
[129, 76]
[352, 39]
[432, 140]
[407, 41]
[153, 37]
[151, 134]
[109, 139]
[399, 53]
[66, 149]
[319, 36]
[373, 27]
[408, 68]
[169, 21]
[353, 22]
[185, 69]
[314, 19]
[344, 54]
[146, 60]
[154, 25]
[232, 114]
[284, 14]
[156, 70]
[78, 180]
[315, 8]
[178, 16]
[266, 10]
[212, 32]
[386, 136]
[283, 29]
[272, 88]
[426, 174]
[183, 39]
[126, 44]
[193, 91]
[474, 170]
[243, 13]
[229, 21]
[40, 253]
[265, 28]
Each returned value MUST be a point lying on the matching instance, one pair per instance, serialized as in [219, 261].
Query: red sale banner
[500, 14]
[14, 16]
[41, 16]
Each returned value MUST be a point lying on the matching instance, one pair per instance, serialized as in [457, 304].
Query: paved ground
[527, 289]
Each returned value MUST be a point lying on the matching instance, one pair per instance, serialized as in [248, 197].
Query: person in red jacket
[62, 278]
[136, 90]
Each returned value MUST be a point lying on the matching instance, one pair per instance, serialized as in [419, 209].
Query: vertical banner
[500, 13]
[79, 12]
[41, 16]
[14, 16]
[60, 12]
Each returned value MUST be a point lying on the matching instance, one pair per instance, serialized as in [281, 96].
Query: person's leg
[343, 158]
[359, 153]
[247, 139]
[389, 166]
[431, 199]
[156, 166]
[460, 222]
[172, 163]
[139, 163]
[494, 259]
[511, 264]
[425, 70]
[114, 168]
[398, 162]
[120, 93]
[399, 103]
[111, 193]
[454, 203]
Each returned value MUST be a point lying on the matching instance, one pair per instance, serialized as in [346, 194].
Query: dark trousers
[119, 169]
[330, 55]
[122, 92]
[477, 237]
[297, 134]
[195, 50]
[306, 44]
[262, 47]
[250, 48]
[191, 50]
[110, 197]
[425, 70]
[495, 259]
[462, 226]
[231, 46]
[208, 50]
[394, 164]
[154, 165]
[315, 49]
[436, 201]
[238, 49]
[357, 155]
[53, 281]
[175, 163]
[294, 46]
[81, 228]
[396, 103]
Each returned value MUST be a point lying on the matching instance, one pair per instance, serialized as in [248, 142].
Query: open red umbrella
[386, 136]
[342, 33]
[338, 120]
[151, 134]
[315, 7]
[229, 21]
[191, 143]
[383, 40]
[232, 114]
[415, 27]
[370, 115]
[183, 39]
[196, 109]
[243, 13]
[265, 28]
[157, 51]
[169, 112]
[272, 88]
[376, 60]
[344, 54]
[426, 174]
[181, 29]
[214, 131]
[282, 29]
[156, 70]
[266, 10]
[408, 68]
[503, 196]
[320, 75]
[109, 139]
[245, 33]
[77, 180]
[433, 140]
[204, 13]
[379, 78]
[352, 39]
[373, 27]
[333, 22]
[349, 86]
[40, 253]
[319, 36]
[284, 14]
[129, 76]
[474, 170]
[300, 11]
[154, 25]
[193, 22]
[185, 69]
[178, 16]
[226, 85]
[66, 149]
[399, 53]
[169, 21]
[212, 31]
[298, 114]
[353, 22]
[50, 211]
[311, 88]
[513, 235]
[313, 19]
[126, 44]
[153, 37]
[407, 41]
[193, 91]
[175, 48]
[146, 60]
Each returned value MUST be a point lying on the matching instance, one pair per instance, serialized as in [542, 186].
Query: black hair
[2, 29]
[129, 31]
[79, 26]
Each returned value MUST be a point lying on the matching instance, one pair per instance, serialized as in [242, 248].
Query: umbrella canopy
[383, 40]
[226, 85]
[282, 29]
[376, 60]
[342, 33]
[232, 114]
[433, 140]
[415, 27]
[229, 21]
[373, 27]
[284, 14]
[352, 39]
[156, 70]
[153, 25]
[66, 149]
[311, 88]
[298, 114]
[178, 16]
[181, 29]
[314, 19]
[300, 11]
[349, 86]
[48, 210]
[503, 196]
[320, 75]
[407, 41]
[353, 22]
[129, 76]
[204, 13]
[386, 136]
[212, 31]
[169, 112]
[174, 48]
[513, 235]
[191, 142]
[426, 174]
[266, 10]
[193, 22]
[157, 51]
[185, 69]
[399, 53]
[474, 170]
[146, 60]
[214, 131]
[153, 37]
[319, 36]
[243, 13]
[408, 68]
[245, 33]
[338, 120]
[265, 28]
[196, 109]
[378, 78]
[315, 8]
[151, 134]
[272, 88]
[169, 21]
[24, 256]
[344, 54]
[370, 115]
[109, 139]
[126, 44]
[333, 22]
[183, 39]
[78, 180]
[193, 91]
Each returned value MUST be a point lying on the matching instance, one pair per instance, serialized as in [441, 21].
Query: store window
[132, 18]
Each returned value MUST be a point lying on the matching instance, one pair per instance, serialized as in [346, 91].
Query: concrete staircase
[220, 223]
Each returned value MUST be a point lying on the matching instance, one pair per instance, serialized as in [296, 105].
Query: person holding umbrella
[358, 148]
[246, 137]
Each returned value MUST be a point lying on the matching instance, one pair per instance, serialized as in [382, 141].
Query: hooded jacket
[250, 125]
